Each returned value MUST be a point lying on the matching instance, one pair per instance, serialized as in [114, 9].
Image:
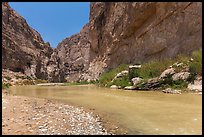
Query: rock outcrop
[23, 49]
[196, 85]
[135, 32]
[70, 59]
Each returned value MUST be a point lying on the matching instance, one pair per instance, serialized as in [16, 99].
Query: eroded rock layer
[23, 49]
[135, 32]
[70, 59]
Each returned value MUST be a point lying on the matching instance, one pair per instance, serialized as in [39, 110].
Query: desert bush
[5, 85]
[107, 77]
[123, 82]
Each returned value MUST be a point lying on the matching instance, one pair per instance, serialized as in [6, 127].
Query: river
[139, 112]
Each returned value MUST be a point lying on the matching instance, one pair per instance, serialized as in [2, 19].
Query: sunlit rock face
[70, 59]
[135, 32]
[23, 49]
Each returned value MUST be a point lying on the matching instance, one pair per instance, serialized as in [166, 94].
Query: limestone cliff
[135, 32]
[70, 59]
[23, 49]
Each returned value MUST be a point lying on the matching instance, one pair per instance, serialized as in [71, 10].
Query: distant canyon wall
[70, 59]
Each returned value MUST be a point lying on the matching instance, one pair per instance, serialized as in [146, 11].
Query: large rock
[114, 87]
[130, 88]
[196, 85]
[167, 72]
[172, 91]
[152, 83]
[136, 81]
[134, 66]
[23, 49]
[181, 76]
[121, 74]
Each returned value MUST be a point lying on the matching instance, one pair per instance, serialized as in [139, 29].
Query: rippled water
[140, 112]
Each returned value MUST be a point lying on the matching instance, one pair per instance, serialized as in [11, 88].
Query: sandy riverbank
[24, 115]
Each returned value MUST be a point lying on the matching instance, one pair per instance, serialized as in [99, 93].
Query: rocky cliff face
[135, 32]
[70, 59]
[23, 49]
[117, 33]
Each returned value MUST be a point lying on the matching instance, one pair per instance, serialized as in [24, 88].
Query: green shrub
[195, 67]
[193, 73]
[179, 84]
[5, 85]
[123, 82]
[168, 80]
[133, 73]
[106, 77]
[153, 68]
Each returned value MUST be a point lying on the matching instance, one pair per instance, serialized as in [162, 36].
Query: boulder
[122, 73]
[178, 64]
[196, 85]
[181, 76]
[198, 80]
[169, 71]
[114, 87]
[171, 91]
[200, 93]
[136, 80]
[129, 88]
[134, 66]
[153, 82]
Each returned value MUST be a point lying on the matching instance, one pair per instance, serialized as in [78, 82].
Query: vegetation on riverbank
[154, 68]
[148, 70]
[79, 83]
[106, 78]
[5, 85]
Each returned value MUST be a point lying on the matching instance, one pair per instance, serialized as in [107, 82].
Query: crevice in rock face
[18, 70]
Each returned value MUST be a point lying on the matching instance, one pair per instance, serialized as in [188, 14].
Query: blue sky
[54, 20]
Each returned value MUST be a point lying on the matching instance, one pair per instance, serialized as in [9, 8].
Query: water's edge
[131, 111]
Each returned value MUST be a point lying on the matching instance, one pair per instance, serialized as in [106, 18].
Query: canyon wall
[117, 33]
[23, 49]
[70, 59]
[136, 32]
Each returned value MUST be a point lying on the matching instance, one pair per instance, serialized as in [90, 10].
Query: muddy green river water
[140, 112]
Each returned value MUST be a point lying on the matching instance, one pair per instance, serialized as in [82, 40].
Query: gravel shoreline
[24, 115]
